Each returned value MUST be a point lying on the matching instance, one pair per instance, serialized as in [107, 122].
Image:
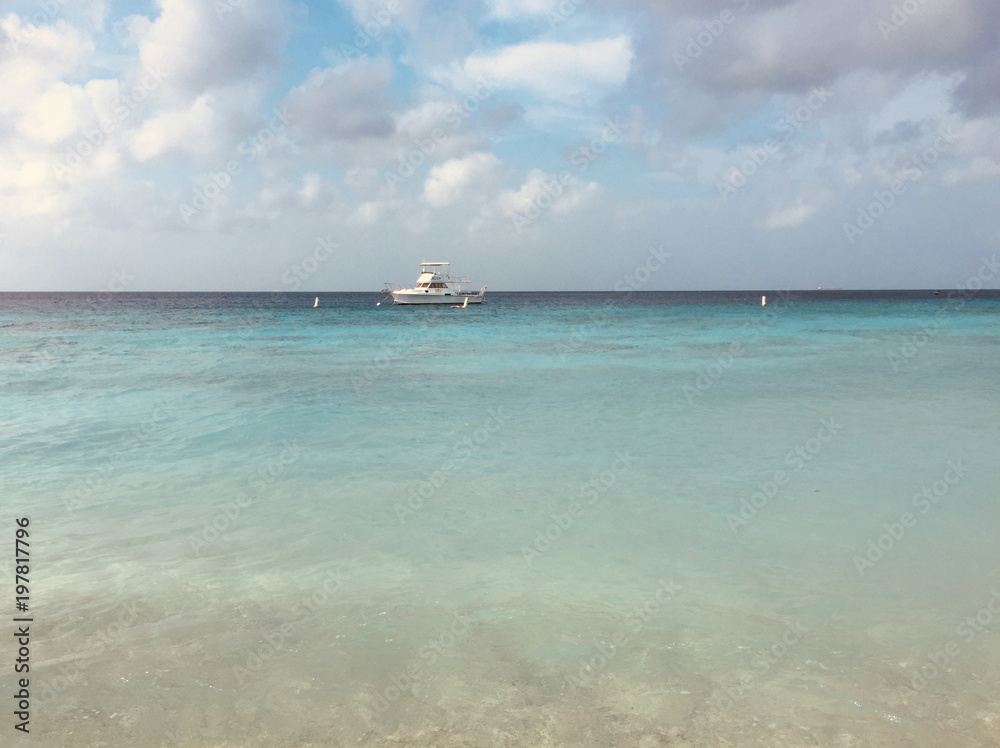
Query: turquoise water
[569, 519]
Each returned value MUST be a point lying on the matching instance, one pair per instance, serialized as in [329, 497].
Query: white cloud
[24, 177]
[557, 70]
[794, 215]
[447, 127]
[312, 188]
[518, 201]
[35, 58]
[446, 182]
[420, 121]
[926, 96]
[56, 114]
[378, 23]
[542, 191]
[978, 141]
[577, 197]
[366, 214]
[513, 9]
[184, 131]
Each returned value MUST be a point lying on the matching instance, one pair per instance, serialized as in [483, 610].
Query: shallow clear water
[557, 519]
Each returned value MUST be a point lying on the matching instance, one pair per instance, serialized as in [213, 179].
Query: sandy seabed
[503, 679]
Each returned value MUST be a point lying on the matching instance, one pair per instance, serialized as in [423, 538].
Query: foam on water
[556, 519]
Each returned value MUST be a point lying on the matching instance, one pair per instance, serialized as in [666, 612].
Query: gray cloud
[788, 47]
[979, 94]
[200, 47]
[349, 102]
[901, 132]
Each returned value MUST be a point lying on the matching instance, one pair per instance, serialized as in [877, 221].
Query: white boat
[436, 285]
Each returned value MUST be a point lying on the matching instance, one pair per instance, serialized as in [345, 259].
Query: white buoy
[763, 301]
[316, 303]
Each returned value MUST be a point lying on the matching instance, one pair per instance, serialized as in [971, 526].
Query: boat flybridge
[436, 285]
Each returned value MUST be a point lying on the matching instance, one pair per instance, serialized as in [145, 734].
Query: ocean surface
[597, 519]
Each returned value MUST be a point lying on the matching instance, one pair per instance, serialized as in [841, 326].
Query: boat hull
[410, 298]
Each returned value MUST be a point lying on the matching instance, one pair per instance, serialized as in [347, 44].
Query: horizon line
[939, 289]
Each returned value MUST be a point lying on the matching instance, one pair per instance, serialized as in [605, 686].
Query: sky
[332, 145]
